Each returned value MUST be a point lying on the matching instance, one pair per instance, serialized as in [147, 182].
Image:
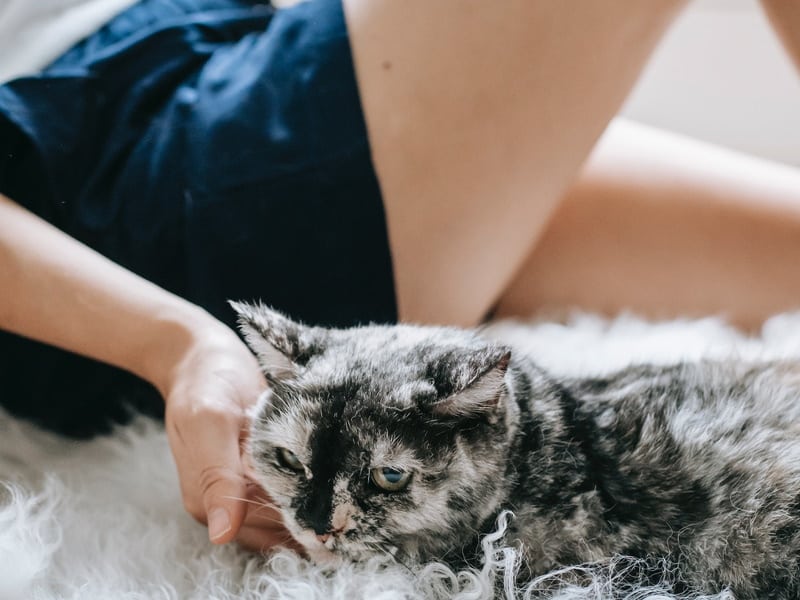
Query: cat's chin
[324, 557]
[319, 553]
[331, 554]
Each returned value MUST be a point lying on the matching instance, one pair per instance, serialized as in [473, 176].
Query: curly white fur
[103, 519]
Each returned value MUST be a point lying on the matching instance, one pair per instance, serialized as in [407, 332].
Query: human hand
[262, 528]
[206, 374]
[209, 391]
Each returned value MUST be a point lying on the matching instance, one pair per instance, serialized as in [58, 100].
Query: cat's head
[380, 439]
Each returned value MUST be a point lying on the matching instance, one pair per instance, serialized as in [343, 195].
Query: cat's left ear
[282, 346]
[480, 385]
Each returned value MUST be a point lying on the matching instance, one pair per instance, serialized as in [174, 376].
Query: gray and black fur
[696, 465]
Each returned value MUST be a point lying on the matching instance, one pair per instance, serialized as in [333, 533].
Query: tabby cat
[409, 441]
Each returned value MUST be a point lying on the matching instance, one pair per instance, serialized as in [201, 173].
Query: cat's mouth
[334, 551]
[322, 552]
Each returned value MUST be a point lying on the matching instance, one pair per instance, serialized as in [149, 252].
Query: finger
[262, 516]
[220, 480]
[260, 507]
[257, 539]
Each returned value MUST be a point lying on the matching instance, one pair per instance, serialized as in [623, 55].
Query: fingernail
[219, 523]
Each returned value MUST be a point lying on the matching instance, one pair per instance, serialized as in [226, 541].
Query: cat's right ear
[475, 385]
[281, 345]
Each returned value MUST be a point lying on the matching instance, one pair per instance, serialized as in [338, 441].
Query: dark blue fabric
[216, 147]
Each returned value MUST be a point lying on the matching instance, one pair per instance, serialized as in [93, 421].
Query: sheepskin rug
[103, 519]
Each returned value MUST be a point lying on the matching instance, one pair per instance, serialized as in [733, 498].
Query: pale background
[721, 75]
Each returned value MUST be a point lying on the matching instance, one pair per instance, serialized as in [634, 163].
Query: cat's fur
[695, 464]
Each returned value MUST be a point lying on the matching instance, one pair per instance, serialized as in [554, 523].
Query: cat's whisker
[261, 507]
[264, 504]
[380, 549]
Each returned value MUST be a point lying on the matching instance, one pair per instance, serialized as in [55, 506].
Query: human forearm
[58, 291]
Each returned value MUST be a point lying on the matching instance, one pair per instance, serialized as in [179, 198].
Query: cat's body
[409, 441]
[698, 464]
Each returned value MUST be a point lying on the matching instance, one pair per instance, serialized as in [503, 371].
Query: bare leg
[480, 117]
[668, 226]
[785, 17]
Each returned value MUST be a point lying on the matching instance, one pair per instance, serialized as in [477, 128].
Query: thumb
[224, 512]
[224, 490]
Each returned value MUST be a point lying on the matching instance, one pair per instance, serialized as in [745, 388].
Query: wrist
[174, 333]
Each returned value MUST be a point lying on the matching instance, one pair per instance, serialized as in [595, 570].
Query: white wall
[722, 75]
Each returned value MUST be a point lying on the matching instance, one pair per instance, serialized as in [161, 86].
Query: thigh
[479, 118]
[667, 226]
[785, 19]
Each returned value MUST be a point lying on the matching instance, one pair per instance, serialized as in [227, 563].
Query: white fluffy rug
[103, 520]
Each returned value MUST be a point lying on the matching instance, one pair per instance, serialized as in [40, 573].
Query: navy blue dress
[215, 147]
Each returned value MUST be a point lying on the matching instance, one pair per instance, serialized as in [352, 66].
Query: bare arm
[64, 294]
[60, 292]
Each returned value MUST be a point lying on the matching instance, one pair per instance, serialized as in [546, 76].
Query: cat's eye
[288, 459]
[391, 480]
